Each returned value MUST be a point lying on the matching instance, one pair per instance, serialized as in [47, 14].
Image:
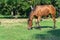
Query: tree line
[22, 8]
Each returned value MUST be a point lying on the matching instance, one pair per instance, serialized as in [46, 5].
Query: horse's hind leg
[54, 20]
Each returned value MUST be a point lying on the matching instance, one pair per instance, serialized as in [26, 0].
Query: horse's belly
[45, 12]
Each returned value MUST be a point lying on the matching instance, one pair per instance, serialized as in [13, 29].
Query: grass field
[16, 29]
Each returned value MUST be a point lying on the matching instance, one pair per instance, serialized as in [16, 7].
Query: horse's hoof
[29, 28]
[54, 27]
[39, 27]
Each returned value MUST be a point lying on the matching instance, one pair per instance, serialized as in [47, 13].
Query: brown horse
[39, 11]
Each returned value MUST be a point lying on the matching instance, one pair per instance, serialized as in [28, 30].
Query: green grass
[16, 29]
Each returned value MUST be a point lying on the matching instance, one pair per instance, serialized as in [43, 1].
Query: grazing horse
[39, 11]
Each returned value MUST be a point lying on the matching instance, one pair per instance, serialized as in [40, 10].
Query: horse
[39, 11]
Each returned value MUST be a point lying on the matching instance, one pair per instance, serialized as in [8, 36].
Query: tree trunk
[12, 13]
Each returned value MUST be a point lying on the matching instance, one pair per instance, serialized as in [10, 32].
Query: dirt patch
[22, 20]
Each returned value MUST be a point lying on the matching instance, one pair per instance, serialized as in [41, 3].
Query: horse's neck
[31, 16]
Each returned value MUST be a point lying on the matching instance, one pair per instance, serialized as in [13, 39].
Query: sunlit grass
[16, 29]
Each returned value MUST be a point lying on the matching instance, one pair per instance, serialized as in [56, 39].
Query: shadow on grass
[12, 17]
[46, 37]
[38, 27]
[55, 32]
[51, 35]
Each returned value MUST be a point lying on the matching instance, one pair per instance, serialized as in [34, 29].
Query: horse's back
[42, 9]
[45, 8]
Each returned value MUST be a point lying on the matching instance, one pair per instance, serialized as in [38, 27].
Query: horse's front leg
[37, 22]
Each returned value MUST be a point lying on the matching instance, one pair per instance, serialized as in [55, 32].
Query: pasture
[16, 29]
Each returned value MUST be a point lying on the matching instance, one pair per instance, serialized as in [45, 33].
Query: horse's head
[29, 24]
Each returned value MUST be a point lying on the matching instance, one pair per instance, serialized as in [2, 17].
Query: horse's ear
[31, 7]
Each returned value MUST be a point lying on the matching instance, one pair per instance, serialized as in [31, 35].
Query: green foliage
[22, 7]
